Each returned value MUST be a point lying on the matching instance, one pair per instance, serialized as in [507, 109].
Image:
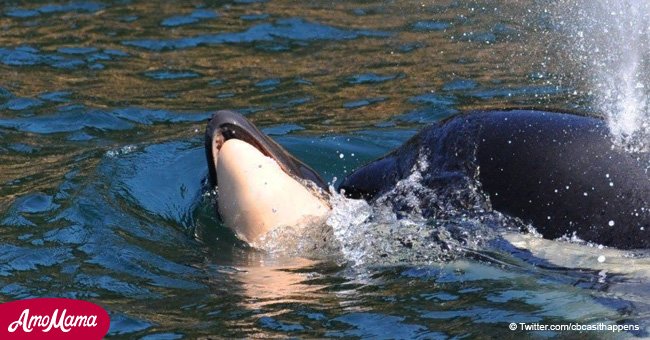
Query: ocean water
[103, 106]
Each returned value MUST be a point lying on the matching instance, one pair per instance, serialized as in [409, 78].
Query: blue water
[102, 113]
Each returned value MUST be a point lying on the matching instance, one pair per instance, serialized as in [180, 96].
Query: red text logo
[52, 318]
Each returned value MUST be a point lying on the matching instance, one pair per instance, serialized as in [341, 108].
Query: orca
[260, 185]
[560, 172]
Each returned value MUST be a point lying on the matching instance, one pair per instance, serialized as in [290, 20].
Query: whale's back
[559, 172]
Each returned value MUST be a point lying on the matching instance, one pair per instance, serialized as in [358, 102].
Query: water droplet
[611, 223]
[601, 258]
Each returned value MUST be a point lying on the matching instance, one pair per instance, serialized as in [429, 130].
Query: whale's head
[260, 185]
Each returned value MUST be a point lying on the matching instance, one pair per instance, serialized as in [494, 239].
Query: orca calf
[260, 185]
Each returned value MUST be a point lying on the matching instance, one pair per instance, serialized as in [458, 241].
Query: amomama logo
[52, 318]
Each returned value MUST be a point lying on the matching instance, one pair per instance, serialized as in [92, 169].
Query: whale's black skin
[225, 125]
[560, 172]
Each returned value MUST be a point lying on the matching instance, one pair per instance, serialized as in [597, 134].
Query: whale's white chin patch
[256, 196]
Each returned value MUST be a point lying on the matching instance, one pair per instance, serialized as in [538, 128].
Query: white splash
[610, 40]
[125, 150]
[382, 234]
[347, 222]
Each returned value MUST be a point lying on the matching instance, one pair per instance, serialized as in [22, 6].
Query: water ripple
[291, 29]
[171, 75]
[14, 258]
[76, 118]
[64, 58]
[88, 7]
[373, 78]
[431, 25]
[194, 17]
[379, 326]
[363, 102]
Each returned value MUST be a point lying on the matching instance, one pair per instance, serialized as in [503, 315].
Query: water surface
[102, 111]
